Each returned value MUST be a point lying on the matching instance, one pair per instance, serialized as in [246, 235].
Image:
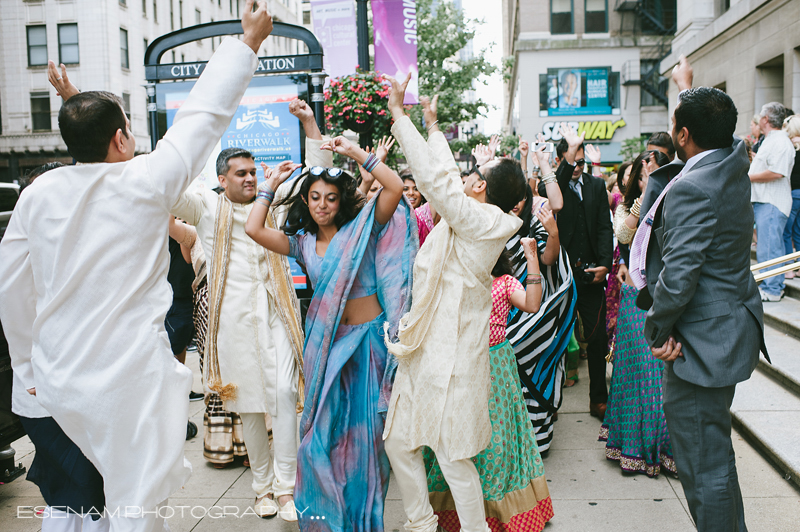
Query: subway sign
[595, 129]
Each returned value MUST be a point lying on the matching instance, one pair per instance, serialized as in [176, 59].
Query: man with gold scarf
[254, 344]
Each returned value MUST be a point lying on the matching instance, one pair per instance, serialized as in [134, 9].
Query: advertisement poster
[577, 91]
[335, 27]
[262, 125]
[395, 31]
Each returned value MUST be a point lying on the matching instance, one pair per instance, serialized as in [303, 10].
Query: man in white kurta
[258, 344]
[83, 282]
[441, 391]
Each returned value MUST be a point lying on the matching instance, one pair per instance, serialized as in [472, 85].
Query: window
[306, 17]
[171, 15]
[180, 12]
[123, 3]
[123, 48]
[231, 7]
[560, 16]
[146, 44]
[596, 19]
[650, 81]
[173, 56]
[68, 44]
[126, 104]
[155, 11]
[37, 45]
[40, 111]
[144, 8]
[197, 17]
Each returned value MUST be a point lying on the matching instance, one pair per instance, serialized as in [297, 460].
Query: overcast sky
[489, 32]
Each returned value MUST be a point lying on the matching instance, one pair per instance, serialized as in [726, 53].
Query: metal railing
[777, 271]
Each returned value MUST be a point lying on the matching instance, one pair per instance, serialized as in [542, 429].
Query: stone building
[591, 63]
[748, 48]
[102, 43]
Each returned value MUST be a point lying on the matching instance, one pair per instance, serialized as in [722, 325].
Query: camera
[581, 274]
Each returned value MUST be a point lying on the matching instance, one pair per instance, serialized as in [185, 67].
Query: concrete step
[784, 315]
[784, 351]
[768, 415]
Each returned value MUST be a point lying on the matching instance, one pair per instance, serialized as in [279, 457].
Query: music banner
[395, 25]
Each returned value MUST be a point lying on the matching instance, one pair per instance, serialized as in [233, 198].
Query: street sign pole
[363, 35]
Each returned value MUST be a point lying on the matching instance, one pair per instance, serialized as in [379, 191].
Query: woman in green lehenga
[515, 492]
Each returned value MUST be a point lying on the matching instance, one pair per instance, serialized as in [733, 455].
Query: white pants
[409, 470]
[54, 520]
[277, 478]
[152, 521]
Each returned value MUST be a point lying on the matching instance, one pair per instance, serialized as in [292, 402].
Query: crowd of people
[448, 312]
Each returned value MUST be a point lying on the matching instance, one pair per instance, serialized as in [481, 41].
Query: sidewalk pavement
[589, 493]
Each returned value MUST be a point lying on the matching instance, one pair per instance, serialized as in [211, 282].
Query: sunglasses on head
[319, 170]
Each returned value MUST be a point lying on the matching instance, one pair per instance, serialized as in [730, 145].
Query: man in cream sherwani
[83, 282]
[254, 344]
[441, 391]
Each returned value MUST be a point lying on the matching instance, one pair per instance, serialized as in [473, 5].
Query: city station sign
[266, 65]
[595, 129]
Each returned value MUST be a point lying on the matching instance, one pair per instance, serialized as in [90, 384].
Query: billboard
[395, 31]
[261, 125]
[335, 26]
[576, 91]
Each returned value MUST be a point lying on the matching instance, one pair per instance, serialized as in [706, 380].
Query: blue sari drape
[342, 469]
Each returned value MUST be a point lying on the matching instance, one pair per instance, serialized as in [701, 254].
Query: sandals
[571, 381]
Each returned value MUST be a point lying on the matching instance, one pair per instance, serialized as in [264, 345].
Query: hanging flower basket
[358, 102]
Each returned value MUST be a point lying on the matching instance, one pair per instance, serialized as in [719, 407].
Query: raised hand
[384, 147]
[397, 93]
[524, 148]
[430, 111]
[529, 248]
[275, 177]
[545, 216]
[593, 153]
[342, 146]
[542, 159]
[60, 81]
[301, 110]
[257, 25]
[574, 141]
[494, 143]
[482, 154]
[683, 74]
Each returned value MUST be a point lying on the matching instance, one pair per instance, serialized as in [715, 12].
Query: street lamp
[363, 35]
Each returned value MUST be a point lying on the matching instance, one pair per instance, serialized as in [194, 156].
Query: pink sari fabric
[424, 222]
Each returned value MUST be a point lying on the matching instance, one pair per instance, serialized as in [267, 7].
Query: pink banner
[335, 27]
[395, 26]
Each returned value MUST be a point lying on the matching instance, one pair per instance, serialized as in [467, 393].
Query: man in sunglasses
[584, 224]
[254, 343]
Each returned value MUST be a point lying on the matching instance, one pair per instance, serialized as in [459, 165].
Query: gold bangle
[636, 207]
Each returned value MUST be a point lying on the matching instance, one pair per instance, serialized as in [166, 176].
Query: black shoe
[191, 430]
[194, 396]
[192, 347]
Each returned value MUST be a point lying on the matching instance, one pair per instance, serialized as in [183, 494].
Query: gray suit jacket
[698, 273]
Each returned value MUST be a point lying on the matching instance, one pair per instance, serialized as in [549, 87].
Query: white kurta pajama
[83, 283]
[441, 391]
[254, 351]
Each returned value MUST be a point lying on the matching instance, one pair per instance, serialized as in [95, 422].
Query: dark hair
[505, 183]
[621, 175]
[662, 139]
[299, 217]
[409, 177]
[562, 147]
[636, 170]
[710, 116]
[224, 157]
[31, 176]
[526, 214]
[503, 265]
[88, 121]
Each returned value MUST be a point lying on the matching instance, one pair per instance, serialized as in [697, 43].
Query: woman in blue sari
[358, 258]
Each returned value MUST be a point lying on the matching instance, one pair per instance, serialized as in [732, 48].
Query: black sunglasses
[476, 171]
[580, 162]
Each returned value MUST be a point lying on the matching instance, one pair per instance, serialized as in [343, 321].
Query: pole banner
[335, 27]
[395, 26]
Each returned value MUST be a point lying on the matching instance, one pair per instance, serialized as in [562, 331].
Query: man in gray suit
[706, 319]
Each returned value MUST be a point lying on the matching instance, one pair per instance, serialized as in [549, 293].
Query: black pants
[67, 479]
[591, 307]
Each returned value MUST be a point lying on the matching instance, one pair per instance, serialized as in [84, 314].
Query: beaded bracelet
[533, 281]
[549, 178]
[266, 194]
[371, 162]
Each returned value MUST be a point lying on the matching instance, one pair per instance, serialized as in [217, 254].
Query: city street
[589, 493]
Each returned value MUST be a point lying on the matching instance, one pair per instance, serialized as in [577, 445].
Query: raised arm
[548, 181]
[207, 112]
[272, 239]
[392, 184]
[530, 298]
[552, 249]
